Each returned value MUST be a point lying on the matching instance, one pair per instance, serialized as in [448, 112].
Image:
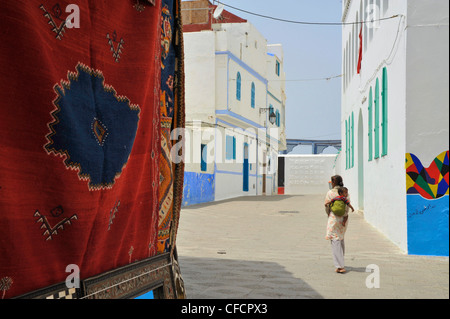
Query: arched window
[384, 112]
[238, 86]
[253, 95]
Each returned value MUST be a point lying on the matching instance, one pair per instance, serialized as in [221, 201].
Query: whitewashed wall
[377, 186]
[414, 49]
[307, 174]
[200, 65]
[427, 80]
[212, 60]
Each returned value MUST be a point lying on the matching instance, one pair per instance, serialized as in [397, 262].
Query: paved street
[273, 247]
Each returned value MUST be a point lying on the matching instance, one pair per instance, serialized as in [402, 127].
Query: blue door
[246, 168]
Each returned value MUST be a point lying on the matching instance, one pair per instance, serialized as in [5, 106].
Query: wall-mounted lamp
[272, 115]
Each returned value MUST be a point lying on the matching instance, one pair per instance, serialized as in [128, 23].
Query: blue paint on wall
[147, 295]
[428, 225]
[198, 188]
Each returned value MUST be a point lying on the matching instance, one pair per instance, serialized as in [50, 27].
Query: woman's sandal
[340, 270]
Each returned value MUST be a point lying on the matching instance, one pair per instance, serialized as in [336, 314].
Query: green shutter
[384, 123]
[346, 145]
[238, 86]
[353, 141]
[349, 145]
[253, 96]
[377, 119]
[370, 125]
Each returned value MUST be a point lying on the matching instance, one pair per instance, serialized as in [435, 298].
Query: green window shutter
[253, 92]
[370, 125]
[346, 145]
[384, 123]
[349, 146]
[353, 141]
[377, 119]
[238, 86]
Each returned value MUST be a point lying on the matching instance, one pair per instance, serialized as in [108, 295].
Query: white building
[395, 119]
[234, 81]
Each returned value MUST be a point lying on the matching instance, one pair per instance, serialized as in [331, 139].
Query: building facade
[234, 85]
[395, 119]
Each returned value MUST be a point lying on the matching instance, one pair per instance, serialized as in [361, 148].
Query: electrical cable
[317, 79]
[304, 22]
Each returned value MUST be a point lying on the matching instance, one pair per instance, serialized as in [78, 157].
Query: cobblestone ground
[274, 247]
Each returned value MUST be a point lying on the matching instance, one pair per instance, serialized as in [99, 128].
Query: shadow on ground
[242, 199]
[221, 278]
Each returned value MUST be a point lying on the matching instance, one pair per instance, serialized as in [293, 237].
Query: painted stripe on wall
[427, 225]
[198, 188]
[243, 65]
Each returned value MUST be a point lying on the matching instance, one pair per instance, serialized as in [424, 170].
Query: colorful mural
[431, 182]
[427, 202]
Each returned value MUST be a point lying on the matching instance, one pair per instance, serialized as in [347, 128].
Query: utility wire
[299, 80]
[317, 79]
[304, 22]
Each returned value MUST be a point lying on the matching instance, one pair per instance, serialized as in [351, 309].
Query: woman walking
[336, 226]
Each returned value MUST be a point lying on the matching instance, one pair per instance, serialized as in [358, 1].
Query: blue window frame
[204, 154]
[238, 86]
[253, 94]
[230, 152]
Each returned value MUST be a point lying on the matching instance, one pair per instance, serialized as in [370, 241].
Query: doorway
[245, 169]
[264, 167]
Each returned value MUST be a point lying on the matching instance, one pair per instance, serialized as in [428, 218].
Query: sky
[310, 52]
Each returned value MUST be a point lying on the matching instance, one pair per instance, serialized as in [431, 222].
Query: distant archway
[317, 145]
